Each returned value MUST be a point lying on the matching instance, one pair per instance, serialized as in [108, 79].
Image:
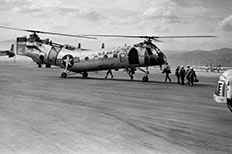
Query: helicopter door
[53, 55]
[133, 56]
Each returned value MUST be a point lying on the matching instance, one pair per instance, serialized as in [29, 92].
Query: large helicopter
[74, 59]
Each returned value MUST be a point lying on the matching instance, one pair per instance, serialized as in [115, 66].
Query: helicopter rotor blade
[151, 37]
[187, 36]
[4, 27]
[64, 34]
[157, 40]
[92, 36]
[46, 32]
[106, 35]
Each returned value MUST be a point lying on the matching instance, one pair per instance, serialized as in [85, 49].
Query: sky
[123, 17]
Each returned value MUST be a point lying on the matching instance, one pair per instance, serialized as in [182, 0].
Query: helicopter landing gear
[48, 66]
[145, 77]
[39, 65]
[84, 74]
[63, 75]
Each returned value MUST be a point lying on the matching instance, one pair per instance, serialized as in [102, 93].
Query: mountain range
[221, 57]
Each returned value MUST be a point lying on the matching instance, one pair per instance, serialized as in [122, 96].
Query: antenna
[103, 46]
[79, 46]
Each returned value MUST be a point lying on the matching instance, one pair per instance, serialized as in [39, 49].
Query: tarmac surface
[41, 113]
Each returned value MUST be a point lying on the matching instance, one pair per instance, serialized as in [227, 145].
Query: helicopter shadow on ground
[109, 79]
[138, 81]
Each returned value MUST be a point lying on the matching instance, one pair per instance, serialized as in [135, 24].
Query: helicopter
[38, 54]
[9, 53]
[74, 59]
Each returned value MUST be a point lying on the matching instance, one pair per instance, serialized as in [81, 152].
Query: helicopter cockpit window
[33, 37]
[68, 47]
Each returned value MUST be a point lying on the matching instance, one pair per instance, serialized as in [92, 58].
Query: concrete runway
[41, 113]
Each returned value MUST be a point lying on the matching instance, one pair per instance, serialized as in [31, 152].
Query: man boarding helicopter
[73, 59]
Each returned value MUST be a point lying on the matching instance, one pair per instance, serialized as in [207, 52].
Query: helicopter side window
[76, 60]
[95, 57]
[115, 56]
[86, 58]
[122, 57]
[68, 47]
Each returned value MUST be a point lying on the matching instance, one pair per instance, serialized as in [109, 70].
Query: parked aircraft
[10, 53]
[38, 54]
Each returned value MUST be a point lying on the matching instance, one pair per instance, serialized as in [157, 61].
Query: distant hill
[221, 57]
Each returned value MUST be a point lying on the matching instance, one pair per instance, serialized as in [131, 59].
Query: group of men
[180, 73]
[189, 74]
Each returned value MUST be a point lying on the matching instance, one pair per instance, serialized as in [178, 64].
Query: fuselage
[103, 59]
[92, 60]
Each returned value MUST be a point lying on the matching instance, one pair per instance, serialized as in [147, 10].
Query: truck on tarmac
[223, 93]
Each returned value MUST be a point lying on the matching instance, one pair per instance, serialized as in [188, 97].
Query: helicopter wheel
[84, 74]
[145, 79]
[63, 75]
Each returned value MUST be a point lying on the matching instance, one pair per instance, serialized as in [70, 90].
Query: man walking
[131, 72]
[109, 72]
[186, 74]
[167, 71]
[177, 73]
[191, 76]
[182, 75]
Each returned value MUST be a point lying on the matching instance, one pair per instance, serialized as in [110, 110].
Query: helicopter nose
[165, 58]
[162, 58]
